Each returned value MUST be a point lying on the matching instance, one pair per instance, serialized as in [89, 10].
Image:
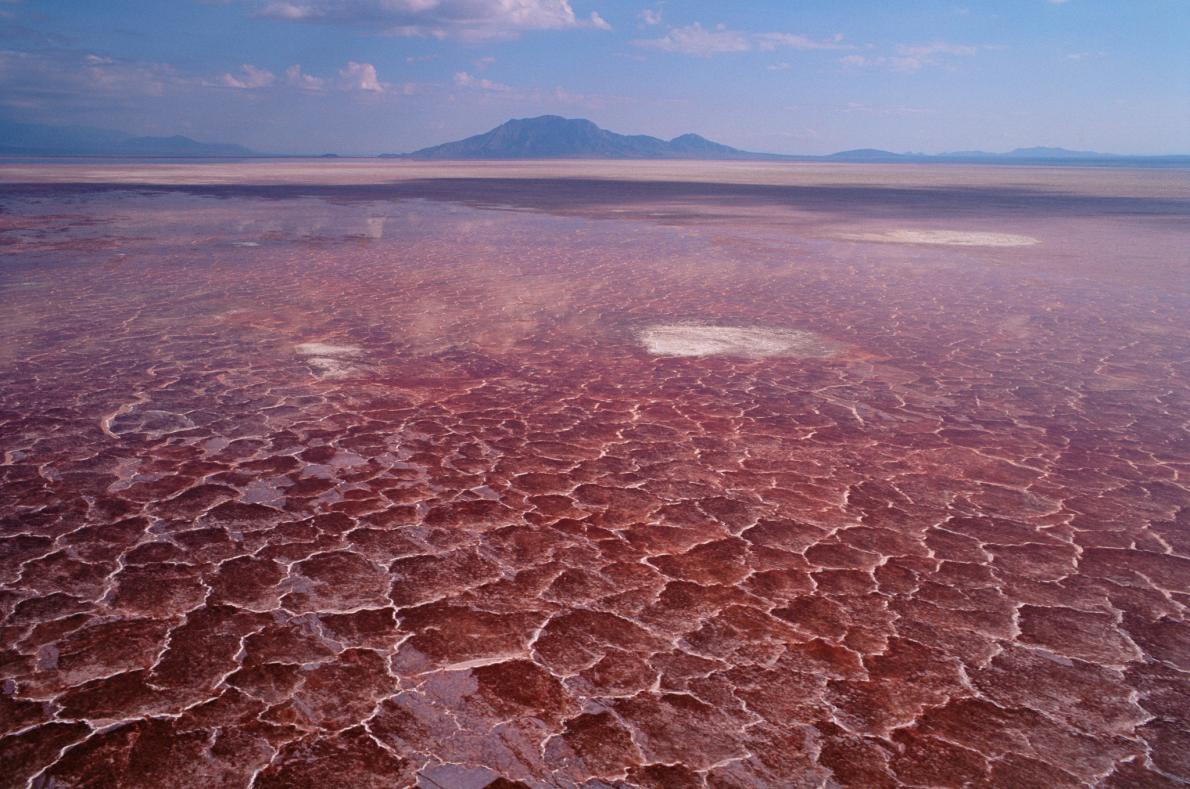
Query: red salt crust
[510, 548]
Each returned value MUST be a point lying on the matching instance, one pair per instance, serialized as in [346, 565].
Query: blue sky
[368, 76]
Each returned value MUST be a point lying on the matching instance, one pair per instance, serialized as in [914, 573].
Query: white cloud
[598, 22]
[651, 16]
[465, 80]
[697, 40]
[474, 19]
[250, 77]
[771, 41]
[295, 77]
[936, 48]
[360, 76]
[352, 77]
[291, 11]
[47, 79]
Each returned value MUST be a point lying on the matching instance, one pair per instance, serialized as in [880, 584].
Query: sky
[786, 76]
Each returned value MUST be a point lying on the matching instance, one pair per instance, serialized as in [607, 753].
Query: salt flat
[588, 474]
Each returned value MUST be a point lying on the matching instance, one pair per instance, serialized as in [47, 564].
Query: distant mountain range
[544, 137]
[31, 139]
[1037, 155]
[555, 137]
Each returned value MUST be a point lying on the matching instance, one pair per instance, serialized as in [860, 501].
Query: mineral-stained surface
[677, 480]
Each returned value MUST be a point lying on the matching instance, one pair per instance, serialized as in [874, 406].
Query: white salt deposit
[688, 339]
[328, 361]
[958, 238]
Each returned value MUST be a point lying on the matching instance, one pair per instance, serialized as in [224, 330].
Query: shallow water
[373, 485]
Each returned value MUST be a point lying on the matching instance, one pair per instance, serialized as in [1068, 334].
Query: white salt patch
[957, 238]
[326, 360]
[683, 339]
[245, 243]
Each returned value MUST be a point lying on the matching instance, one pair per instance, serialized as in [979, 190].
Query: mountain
[1038, 152]
[555, 137]
[701, 148]
[178, 145]
[32, 139]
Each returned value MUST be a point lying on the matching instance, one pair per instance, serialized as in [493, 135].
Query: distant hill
[878, 155]
[31, 139]
[1038, 152]
[1032, 156]
[1054, 153]
[555, 137]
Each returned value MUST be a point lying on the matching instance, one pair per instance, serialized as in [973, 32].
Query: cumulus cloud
[464, 80]
[360, 76]
[296, 78]
[250, 77]
[88, 82]
[46, 77]
[436, 18]
[697, 40]
[352, 77]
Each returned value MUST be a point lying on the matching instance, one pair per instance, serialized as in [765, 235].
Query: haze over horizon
[373, 76]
